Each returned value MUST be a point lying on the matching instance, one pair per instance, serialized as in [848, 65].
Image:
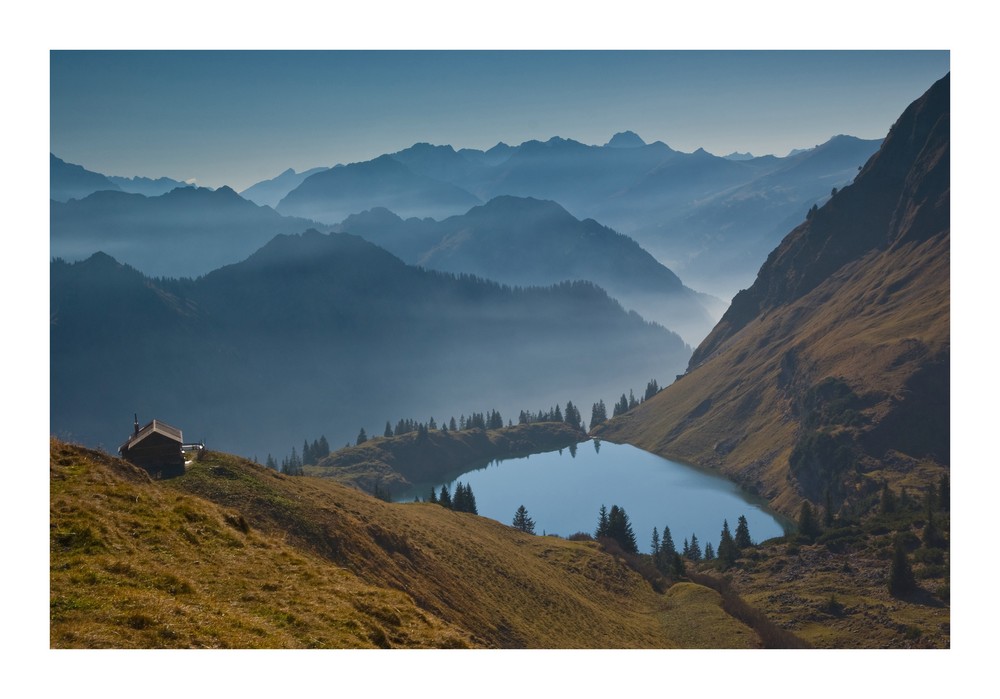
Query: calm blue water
[563, 493]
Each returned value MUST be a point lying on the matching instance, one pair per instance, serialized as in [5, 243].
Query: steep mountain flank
[234, 555]
[831, 373]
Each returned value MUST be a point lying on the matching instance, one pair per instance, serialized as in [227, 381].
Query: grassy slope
[394, 462]
[234, 555]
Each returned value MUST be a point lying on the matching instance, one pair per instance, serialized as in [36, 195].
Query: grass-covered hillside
[235, 555]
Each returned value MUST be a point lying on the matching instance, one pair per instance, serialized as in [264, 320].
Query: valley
[782, 482]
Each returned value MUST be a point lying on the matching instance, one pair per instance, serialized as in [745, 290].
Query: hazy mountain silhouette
[185, 232]
[625, 139]
[332, 195]
[726, 236]
[830, 374]
[147, 186]
[524, 241]
[710, 219]
[323, 334]
[68, 181]
[270, 192]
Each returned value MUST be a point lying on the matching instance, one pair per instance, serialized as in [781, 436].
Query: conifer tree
[523, 522]
[388, 430]
[458, 500]
[651, 389]
[944, 493]
[677, 567]
[445, 498]
[667, 542]
[323, 449]
[362, 437]
[452, 425]
[598, 414]
[742, 536]
[808, 526]
[901, 579]
[686, 551]
[727, 551]
[602, 523]
[620, 529]
[470, 500]
[655, 544]
[433, 496]
[694, 550]
[709, 553]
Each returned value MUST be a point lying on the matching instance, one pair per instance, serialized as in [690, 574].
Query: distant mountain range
[525, 242]
[68, 181]
[323, 334]
[185, 232]
[270, 192]
[829, 376]
[332, 195]
[711, 219]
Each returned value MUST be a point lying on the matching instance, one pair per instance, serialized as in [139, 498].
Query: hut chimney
[136, 424]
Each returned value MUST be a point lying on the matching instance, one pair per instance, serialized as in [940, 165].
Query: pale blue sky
[231, 117]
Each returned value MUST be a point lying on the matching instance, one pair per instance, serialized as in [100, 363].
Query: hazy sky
[232, 117]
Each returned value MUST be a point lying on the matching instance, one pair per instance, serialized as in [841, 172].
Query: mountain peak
[625, 139]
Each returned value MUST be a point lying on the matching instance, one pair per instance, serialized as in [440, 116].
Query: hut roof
[156, 427]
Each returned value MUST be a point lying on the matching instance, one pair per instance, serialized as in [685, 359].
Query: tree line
[463, 500]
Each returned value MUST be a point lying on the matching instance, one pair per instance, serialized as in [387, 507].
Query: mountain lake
[563, 492]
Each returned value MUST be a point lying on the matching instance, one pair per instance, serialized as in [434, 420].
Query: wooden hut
[156, 448]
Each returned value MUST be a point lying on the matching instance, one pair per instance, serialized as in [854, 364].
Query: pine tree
[655, 544]
[677, 567]
[709, 553]
[727, 551]
[667, 542]
[452, 425]
[362, 437]
[470, 500]
[808, 526]
[742, 536]
[458, 500]
[388, 430]
[323, 449]
[271, 463]
[602, 523]
[694, 550]
[523, 522]
[598, 414]
[901, 579]
[445, 498]
[620, 529]
[651, 389]
[433, 496]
